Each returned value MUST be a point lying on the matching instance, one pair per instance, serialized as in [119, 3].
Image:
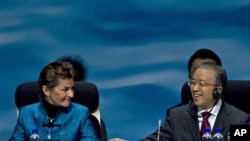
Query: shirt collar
[213, 110]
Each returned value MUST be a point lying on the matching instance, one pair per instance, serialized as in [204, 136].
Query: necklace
[51, 123]
[51, 120]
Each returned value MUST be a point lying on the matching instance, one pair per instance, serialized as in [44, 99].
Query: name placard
[239, 132]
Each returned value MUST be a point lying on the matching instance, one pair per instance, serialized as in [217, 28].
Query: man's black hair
[202, 54]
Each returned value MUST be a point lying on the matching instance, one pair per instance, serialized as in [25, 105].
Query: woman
[55, 113]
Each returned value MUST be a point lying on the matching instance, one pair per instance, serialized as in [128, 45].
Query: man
[202, 55]
[183, 123]
[198, 57]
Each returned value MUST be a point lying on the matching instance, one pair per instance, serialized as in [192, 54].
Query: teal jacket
[72, 120]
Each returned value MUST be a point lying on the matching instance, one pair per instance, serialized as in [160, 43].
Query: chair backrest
[237, 93]
[86, 94]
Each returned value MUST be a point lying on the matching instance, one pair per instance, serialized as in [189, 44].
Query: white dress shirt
[214, 112]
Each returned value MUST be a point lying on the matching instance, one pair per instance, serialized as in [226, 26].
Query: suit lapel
[222, 119]
[193, 122]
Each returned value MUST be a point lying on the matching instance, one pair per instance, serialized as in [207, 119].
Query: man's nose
[195, 87]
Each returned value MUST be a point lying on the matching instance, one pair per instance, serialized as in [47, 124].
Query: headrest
[237, 93]
[86, 94]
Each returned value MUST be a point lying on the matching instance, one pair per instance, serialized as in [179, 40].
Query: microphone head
[159, 122]
[159, 130]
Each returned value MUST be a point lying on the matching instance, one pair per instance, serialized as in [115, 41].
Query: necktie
[205, 124]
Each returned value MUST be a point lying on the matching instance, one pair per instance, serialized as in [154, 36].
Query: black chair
[86, 94]
[237, 93]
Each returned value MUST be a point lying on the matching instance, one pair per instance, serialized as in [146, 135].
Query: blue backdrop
[136, 51]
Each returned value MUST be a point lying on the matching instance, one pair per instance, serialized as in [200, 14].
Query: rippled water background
[136, 51]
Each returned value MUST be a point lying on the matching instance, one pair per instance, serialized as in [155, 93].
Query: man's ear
[220, 89]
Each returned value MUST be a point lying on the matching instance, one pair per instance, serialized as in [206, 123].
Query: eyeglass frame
[201, 83]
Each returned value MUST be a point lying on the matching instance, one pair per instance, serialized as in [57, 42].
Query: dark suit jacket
[182, 123]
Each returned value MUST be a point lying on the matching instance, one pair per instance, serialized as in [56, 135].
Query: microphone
[159, 130]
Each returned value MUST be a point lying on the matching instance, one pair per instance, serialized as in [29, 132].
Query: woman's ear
[46, 90]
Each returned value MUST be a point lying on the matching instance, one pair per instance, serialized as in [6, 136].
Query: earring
[47, 97]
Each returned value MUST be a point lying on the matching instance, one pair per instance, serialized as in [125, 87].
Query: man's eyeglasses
[200, 83]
